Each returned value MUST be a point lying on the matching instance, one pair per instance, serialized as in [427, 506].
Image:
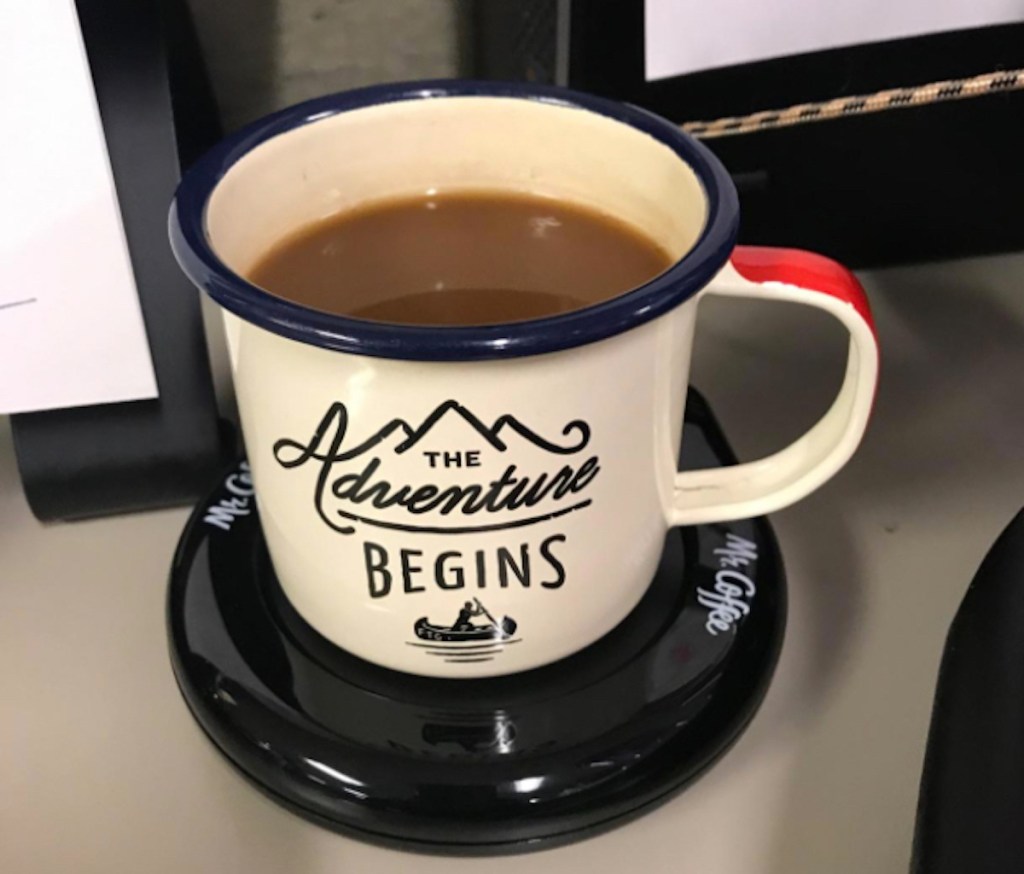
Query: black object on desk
[971, 810]
[157, 117]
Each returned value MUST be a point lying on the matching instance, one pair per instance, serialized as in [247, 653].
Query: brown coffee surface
[468, 258]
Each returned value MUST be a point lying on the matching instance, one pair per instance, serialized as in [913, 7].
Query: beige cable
[997, 82]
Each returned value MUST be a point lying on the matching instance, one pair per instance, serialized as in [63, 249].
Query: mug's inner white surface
[446, 145]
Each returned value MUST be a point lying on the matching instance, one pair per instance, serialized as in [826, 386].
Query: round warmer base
[476, 767]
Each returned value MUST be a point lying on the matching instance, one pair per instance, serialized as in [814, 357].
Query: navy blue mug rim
[681, 281]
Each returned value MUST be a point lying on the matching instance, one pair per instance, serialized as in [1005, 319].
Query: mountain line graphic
[336, 419]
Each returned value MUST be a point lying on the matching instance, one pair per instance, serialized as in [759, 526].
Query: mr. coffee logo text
[729, 599]
[450, 475]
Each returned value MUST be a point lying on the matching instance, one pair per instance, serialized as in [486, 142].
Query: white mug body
[528, 492]
[473, 501]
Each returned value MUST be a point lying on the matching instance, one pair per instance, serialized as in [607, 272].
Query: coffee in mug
[467, 258]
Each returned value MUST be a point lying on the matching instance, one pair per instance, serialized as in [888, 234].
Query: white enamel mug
[473, 501]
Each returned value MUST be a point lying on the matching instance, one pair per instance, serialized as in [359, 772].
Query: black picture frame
[157, 116]
[909, 185]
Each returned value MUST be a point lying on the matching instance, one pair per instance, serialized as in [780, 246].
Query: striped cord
[842, 107]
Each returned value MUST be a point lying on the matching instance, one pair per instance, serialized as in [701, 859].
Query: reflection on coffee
[467, 258]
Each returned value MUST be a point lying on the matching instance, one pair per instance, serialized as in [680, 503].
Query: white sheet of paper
[685, 36]
[71, 330]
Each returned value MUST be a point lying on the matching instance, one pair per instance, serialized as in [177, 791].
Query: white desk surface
[102, 769]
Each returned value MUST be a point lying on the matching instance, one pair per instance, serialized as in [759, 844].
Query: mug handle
[758, 487]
